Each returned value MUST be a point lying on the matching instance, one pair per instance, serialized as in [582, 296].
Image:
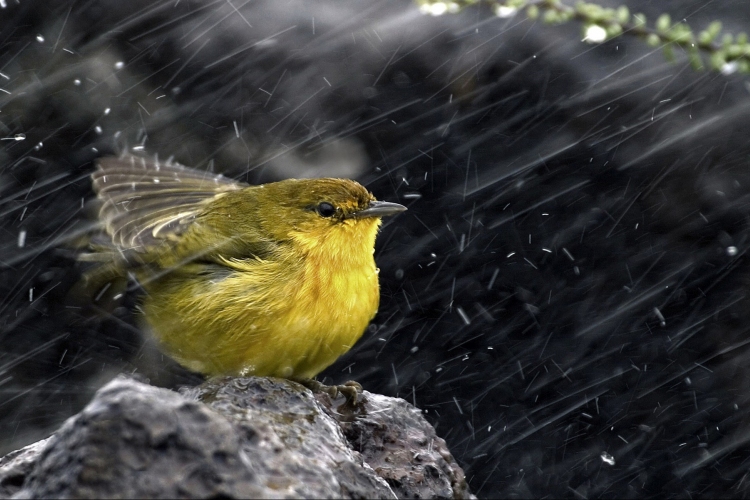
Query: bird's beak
[379, 209]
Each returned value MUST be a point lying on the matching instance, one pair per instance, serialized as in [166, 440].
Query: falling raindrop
[607, 458]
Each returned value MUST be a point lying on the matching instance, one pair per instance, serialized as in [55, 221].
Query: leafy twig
[600, 24]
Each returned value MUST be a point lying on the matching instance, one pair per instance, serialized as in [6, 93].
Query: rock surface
[245, 437]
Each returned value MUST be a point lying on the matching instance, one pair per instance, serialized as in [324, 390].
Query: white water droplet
[504, 11]
[595, 34]
[434, 9]
[729, 68]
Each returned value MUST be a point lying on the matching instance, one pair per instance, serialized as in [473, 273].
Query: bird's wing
[146, 202]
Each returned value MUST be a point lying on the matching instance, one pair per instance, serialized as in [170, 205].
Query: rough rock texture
[250, 437]
[15, 466]
[395, 440]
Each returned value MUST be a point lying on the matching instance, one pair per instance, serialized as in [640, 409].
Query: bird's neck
[346, 246]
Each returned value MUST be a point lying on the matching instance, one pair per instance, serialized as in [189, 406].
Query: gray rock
[235, 438]
[17, 465]
[397, 442]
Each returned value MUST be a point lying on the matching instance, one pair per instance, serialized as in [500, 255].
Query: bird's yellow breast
[289, 317]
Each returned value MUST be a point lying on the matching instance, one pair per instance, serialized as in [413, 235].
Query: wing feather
[146, 202]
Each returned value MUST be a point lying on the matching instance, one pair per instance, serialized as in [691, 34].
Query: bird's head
[323, 214]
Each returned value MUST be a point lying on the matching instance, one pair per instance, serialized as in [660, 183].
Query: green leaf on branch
[709, 47]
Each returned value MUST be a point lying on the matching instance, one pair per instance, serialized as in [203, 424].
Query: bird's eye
[325, 209]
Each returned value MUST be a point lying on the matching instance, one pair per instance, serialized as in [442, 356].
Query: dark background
[567, 296]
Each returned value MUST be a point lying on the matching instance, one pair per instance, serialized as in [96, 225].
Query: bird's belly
[325, 323]
[303, 328]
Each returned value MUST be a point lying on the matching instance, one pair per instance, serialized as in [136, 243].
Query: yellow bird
[275, 280]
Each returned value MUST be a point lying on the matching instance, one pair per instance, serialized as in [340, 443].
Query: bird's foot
[351, 390]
